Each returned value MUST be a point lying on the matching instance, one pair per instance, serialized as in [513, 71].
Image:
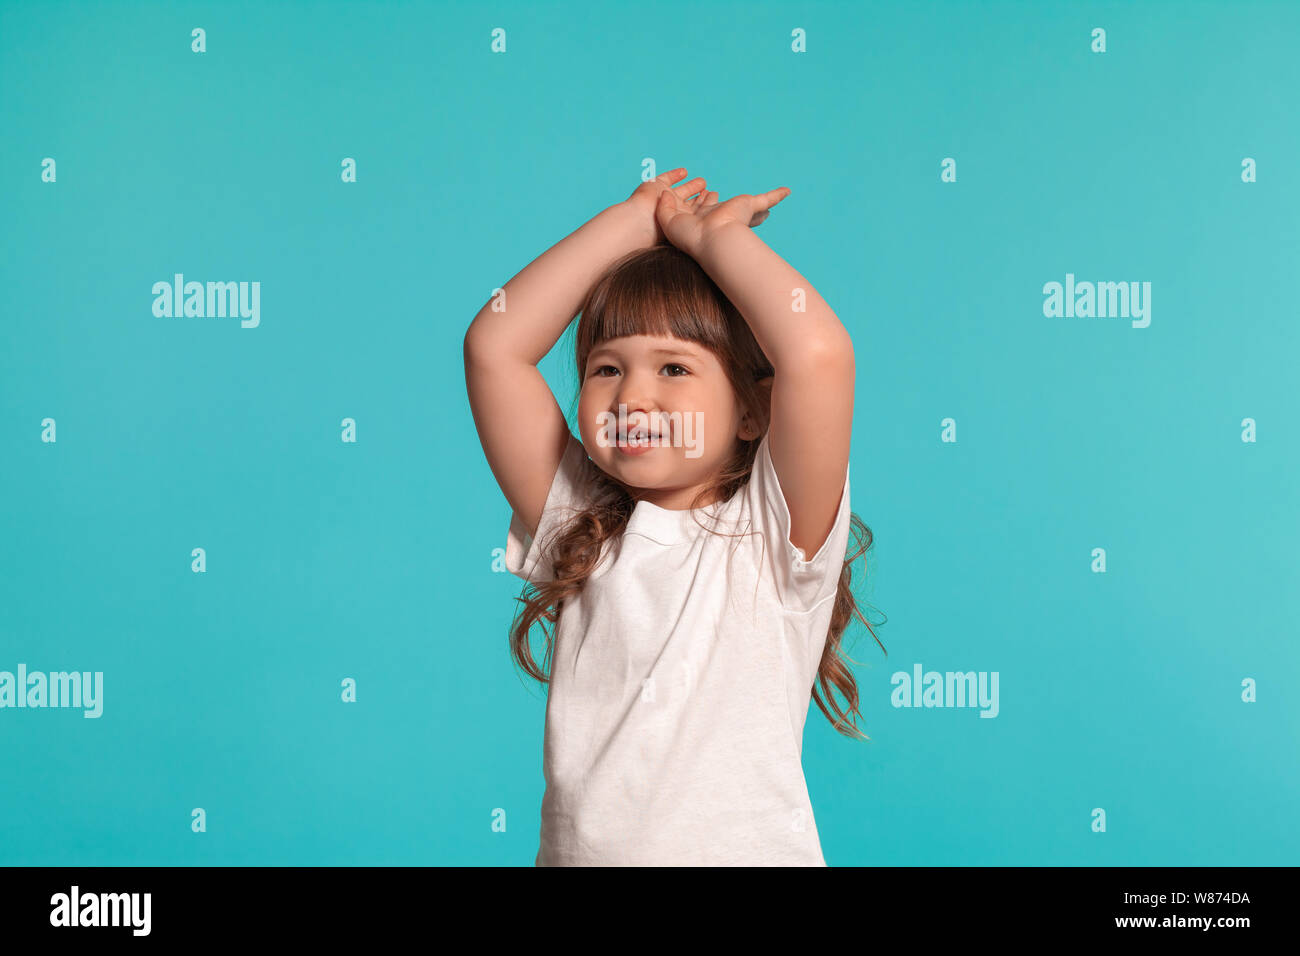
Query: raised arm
[811, 353]
[519, 422]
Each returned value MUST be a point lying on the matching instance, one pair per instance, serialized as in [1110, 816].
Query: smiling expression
[683, 396]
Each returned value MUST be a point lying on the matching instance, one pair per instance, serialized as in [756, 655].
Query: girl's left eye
[684, 372]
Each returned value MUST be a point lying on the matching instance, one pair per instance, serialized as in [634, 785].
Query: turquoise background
[374, 560]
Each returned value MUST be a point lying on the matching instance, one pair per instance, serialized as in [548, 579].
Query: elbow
[844, 347]
[831, 353]
[473, 345]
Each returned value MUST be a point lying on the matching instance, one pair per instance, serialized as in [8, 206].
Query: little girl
[669, 548]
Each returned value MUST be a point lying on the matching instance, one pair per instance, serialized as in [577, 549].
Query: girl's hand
[688, 223]
[645, 198]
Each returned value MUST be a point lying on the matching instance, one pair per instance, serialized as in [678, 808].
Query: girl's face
[674, 391]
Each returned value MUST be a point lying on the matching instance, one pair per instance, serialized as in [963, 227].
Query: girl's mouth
[637, 443]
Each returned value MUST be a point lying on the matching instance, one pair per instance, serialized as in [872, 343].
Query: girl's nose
[633, 407]
[636, 393]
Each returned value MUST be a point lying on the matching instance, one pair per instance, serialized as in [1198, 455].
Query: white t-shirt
[681, 679]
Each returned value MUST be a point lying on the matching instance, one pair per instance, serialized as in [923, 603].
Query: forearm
[541, 301]
[762, 285]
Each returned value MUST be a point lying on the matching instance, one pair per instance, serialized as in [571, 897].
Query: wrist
[634, 223]
[714, 236]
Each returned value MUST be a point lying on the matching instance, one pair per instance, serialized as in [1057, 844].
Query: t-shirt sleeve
[528, 556]
[801, 582]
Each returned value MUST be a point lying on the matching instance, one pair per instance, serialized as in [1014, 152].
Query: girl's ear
[753, 425]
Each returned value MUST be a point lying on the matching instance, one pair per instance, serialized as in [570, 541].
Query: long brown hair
[663, 291]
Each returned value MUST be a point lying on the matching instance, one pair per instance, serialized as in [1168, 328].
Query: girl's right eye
[602, 368]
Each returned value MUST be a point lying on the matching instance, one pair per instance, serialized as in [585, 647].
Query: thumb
[663, 206]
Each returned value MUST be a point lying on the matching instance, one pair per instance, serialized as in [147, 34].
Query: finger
[668, 208]
[671, 176]
[770, 198]
[688, 189]
[679, 203]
